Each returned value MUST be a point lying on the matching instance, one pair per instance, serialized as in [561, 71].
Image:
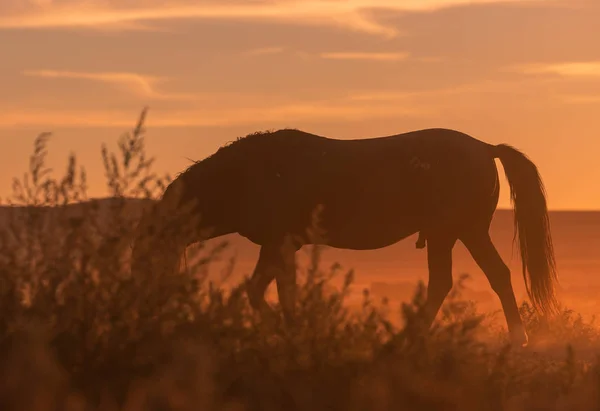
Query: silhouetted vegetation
[78, 333]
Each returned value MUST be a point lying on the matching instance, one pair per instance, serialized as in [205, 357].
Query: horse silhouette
[372, 192]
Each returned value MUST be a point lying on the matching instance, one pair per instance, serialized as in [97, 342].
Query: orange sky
[522, 72]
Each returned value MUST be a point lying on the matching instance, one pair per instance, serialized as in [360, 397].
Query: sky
[526, 73]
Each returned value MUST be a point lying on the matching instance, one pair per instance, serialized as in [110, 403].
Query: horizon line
[96, 198]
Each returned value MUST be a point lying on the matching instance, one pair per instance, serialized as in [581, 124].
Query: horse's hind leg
[486, 256]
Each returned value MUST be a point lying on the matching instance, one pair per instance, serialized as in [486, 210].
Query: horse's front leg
[439, 259]
[277, 261]
[285, 276]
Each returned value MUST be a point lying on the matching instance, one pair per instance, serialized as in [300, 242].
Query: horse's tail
[532, 226]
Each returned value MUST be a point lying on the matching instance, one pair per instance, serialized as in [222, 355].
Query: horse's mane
[232, 145]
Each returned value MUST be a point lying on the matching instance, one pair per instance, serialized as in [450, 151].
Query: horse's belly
[351, 241]
[376, 226]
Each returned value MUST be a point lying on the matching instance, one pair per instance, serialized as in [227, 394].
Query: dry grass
[78, 333]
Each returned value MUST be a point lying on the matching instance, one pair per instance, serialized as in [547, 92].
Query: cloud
[318, 111]
[487, 86]
[340, 55]
[349, 14]
[62, 118]
[137, 83]
[568, 69]
[84, 14]
[217, 109]
[383, 56]
[292, 113]
[581, 99]
[265, 50]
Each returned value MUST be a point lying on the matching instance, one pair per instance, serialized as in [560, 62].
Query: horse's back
[432, 138]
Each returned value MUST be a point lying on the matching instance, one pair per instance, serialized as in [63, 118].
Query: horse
[372, 193]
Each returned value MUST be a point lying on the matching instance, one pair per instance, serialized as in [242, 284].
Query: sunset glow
[526, 73]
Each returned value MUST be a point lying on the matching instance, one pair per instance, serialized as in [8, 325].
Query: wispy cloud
[63, 118]
[81, 14]
[217, 109]
[351, 14]
[581, 99]
[438, 99]
[317, 111]
[383, 56]
[339, 55]
[265, 50]
[568, 69]
[143, 85]
[292, 113]
[488, 86]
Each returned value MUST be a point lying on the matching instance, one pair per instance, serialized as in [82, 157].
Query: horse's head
[162, 234]
[153, 247]
[157, 240]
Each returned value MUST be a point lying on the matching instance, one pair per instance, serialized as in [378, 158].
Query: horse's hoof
[520, 340]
